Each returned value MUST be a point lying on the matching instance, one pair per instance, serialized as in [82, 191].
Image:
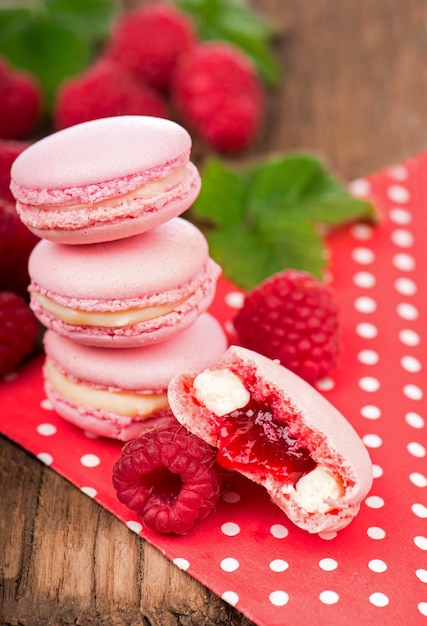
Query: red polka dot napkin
[373, 572]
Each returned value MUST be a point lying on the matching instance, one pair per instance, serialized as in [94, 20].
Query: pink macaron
[279, 431]
[105, 179]
[124, 293]
[117, 393]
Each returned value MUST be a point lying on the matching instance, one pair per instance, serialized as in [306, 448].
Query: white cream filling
[222, 392]
[105, 319]
[144, 192]
[313, 489]
[125, 403]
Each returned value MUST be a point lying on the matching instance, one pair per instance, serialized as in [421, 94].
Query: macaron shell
[162, 259]
[98, 151]
[337, 443]
[146, 369]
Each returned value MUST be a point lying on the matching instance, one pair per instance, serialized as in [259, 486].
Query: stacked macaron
[121, 282]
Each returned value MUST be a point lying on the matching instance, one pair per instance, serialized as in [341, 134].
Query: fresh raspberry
[18, 331]
[168, 477]
[16, 243]
[149, 40]
[20, 102]
[218, 93]
[9, 150]
[292, 317]
[105, 90]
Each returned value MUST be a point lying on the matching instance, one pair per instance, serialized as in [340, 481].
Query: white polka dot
[416, 449]
[377, 470]
[404, 262]
[364, 280]
[413, 392]
[46, 405]
[231, 497]
[374, 532]
[418, 479]
[372, 441]
[89, 491]
[421, 574]
[400, 216]
[329, 597]
[45, 458]
[229, 327]
[278, 531]
[278, 565]
[47, 430]
[230, 529]
[377, 565]
[410, 364]
[405, 286]
[90, 435]
[421, 542]
[409, 337]
[135, 527]
[378, 599]
[398, 194]
[414, 420]
[402, 238]
[229, 564]
[398, 172]
[422, 607]
[359, 187]
[234, 299]
[366, 330]
[370, 412]
[419, 510]
[369, 383]
[328, 565]
[90, 460]
[368, 357]
[181, 563]
[231, 597]
[279, 598]
[407, 311]
[365, 304]
[328, 536]
[374, 502]
[325, 384]
[364, 256]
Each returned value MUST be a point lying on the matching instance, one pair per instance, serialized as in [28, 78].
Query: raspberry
[149, 40]
[104, 90]
[16, 243]
[9, 150]
[292, 317]
[18, 331]
[218, 93]
[168, 477]
[20, 102]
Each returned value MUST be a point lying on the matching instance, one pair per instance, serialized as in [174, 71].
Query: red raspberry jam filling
[250, 438]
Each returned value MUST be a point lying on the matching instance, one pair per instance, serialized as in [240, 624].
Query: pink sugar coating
[337, 445]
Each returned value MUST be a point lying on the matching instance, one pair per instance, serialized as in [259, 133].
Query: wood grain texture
[354, 90]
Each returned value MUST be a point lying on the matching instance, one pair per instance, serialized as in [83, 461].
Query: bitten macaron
[116, 393]
[124, 293]
[279, 431]
[105, 179]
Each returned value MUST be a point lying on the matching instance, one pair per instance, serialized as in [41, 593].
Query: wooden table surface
[354, 90]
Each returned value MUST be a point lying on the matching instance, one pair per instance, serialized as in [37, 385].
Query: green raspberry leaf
[235, 22]
[92, 18]
[268, 217]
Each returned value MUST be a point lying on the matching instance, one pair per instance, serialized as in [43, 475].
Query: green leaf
[266, 218]
[235, 22]
[46, 46]
[92, 18]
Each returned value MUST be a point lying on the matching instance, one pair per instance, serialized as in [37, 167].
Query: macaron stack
[121, 282]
